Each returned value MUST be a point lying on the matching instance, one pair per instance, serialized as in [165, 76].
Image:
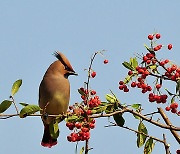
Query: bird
[54, 94]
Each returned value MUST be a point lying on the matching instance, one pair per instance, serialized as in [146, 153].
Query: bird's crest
[63, 60]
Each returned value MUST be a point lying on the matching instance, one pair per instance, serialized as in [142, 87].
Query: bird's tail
[47, 140]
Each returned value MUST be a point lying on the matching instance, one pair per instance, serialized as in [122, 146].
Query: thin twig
[13, 101]
[137, 132]
[87, 147]
[151, 113]
[89, 69]
[166, 145]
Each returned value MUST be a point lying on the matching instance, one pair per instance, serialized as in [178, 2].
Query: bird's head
[64, 67]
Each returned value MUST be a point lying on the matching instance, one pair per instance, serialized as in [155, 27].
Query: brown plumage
[54, 93]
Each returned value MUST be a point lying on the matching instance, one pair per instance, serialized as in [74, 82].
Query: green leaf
[149, 49]
[148, 146]
[72, 118]
[119, 119]
[109, 108]
[128, 66]
[29, 109]
[178, 87]
[24, 104]
[110, 98]
[136, 106]
[82, 150]
[141, 138]
[127, 79]
[81, 92]
[153, 67]
[101, 109]
[134, 62]
[54, 129]
[172, 99]
[15, 87]
[137, 117]
[5, 105]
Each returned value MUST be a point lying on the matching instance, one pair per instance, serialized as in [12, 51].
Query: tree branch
[170, 127]
[168, 122]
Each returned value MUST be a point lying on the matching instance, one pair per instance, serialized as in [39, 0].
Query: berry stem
[89, 70]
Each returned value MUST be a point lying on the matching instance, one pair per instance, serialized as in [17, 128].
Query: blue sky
[30, 31]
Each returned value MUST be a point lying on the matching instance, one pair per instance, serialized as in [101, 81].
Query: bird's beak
[72, 73]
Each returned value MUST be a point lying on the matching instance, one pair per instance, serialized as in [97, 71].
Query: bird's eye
[66, 67]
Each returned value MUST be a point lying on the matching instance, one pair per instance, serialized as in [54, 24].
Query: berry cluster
[173, 108]
[149, 67]
[158, 36]
[123, 87]
[82, 125]
[81, 130]
[94, 100]
[158, 98]
[172, 72]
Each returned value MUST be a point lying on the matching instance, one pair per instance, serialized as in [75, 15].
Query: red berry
[176, 74]
[106, 61]
[150, 37]
[166, 61]
[149, 88]
[178, 152]
[149, 55]
[143, 86]
[148, 61]
[156, 48]
[140, 71]
[130, 73]
[144, 91]
[78, 125]
[121, 87]
[91, 125]
[162, 63]
[174, 110]
[69, 138]
[83, 97]
[133, 84]
[178, 70]
[126, 90]
[164, 96]
[169, 46]
[93, 92]
[174, 105]
[151, 95]
[89, 112]
[158, 86]
[145, 58]
[174, 67]
[167, 108]
[151, 99]
[93, 74]
[158, 36]
[121, 82]
[84, 129]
